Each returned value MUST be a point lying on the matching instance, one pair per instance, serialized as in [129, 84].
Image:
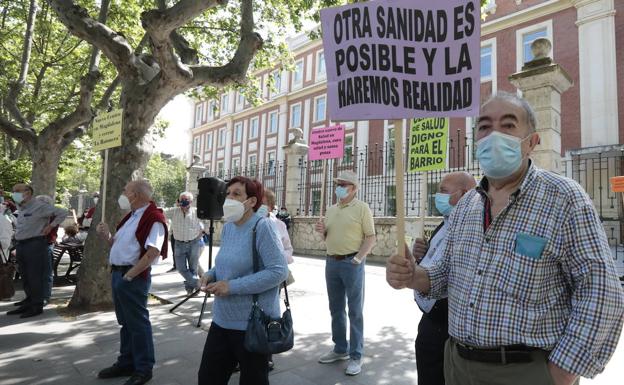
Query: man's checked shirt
[567, 298]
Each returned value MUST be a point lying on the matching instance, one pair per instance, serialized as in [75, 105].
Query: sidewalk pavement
[56, 348]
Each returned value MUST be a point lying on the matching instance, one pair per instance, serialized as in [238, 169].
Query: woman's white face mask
[233, 210]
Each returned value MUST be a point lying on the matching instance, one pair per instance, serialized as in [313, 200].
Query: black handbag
[266, 335]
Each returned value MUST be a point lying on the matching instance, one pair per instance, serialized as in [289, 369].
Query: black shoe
[31, 312]
[19, 310]
[23, 302]
[138, 379]
[115, 371]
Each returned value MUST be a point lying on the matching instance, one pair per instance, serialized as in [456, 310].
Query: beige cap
[349, 177]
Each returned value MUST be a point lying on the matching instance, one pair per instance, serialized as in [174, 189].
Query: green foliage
[14, 171]
[80, 168]
[167, 176]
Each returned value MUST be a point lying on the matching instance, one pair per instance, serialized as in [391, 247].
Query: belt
[192, 240]
[122, 268]
[341, 257]
[496, 355]
[37, 238]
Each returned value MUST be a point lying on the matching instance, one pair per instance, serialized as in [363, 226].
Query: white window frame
[316, 99]
[199, 112]
[494, 76]
[211, 110]
[225, 103]
[253, 135]
[221, 168]
[292, 107]
[240, 100]
[197, 145]
[238, 126]
[252, 165]
[277, 85]
[270, 129]
[222, 137]
[236, 165]
[532, 28]
[271, 166]
[298, 84]
[320, 75]
[208, 142]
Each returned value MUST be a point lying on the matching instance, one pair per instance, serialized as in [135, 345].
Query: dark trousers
[432, 335]
[32, 255]
[137, 344]
[223, 349]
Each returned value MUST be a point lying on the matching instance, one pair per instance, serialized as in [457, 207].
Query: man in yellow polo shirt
[349, 234]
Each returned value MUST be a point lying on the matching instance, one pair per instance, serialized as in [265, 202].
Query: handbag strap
[256, 266]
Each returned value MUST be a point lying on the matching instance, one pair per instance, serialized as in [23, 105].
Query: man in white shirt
[433, 326]
[187, 230]
[140, 238]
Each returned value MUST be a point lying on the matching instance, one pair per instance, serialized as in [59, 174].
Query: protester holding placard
[433, 326]
[349, 234]
[532, 288]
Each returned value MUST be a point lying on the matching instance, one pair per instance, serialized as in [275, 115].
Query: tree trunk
[45, 162]
[125, 163]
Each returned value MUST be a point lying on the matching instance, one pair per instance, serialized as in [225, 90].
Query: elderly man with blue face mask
[433, 326]
[532, 288]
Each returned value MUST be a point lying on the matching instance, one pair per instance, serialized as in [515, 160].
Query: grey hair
[45, 198]
[188, 194]
[520, 102]
[143, 187]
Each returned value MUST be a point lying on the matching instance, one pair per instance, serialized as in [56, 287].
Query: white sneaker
[353, 368]
[333, 357]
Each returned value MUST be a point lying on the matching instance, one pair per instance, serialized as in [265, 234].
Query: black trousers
[432, 334]
[222, 351]
[32, 255]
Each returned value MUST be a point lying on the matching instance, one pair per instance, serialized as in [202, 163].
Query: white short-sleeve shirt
[126, 249]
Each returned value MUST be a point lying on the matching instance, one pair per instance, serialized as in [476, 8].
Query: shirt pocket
[526, 279]
[529, 245]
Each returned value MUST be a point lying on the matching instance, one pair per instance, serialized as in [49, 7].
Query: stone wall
[306, 241]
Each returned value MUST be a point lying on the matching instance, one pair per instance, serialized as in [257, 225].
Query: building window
[527, 39]
[236, 166]
[222, 137]
[277, 83]
[196, 145]
[526, 36]
[225, 103]
[220, 169]
[295, 115]
[208, 143]
[211, 109]
[252, 163]
[390, 147]
[316, 202]
[297, 75]
[240, 99]
[486, 62]
[238, 132]
[319, 109]
[199, 112]
[273, 122]
[271, 163]
[320, 66]
[253, 127]
[348, 150]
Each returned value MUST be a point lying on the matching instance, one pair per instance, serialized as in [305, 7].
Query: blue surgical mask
[18, 197]
[443, 205]
[341, 192]
[500, 155]
[263, 210]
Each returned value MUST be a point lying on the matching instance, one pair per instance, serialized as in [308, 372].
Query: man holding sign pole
[532, 289]
[349, 234]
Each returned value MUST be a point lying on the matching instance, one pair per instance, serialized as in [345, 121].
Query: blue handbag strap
[256, 266]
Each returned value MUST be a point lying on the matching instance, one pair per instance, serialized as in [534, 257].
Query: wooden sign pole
[399, 192]
[323, 188]
[104, 186]
[423, 202]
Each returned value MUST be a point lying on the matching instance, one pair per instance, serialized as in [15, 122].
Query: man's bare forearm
[146, 261]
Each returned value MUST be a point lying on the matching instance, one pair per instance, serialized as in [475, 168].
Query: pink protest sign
[327, 143]
[399, 59]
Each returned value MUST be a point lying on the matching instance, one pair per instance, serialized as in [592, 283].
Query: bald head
[139, 193]
[457, 184]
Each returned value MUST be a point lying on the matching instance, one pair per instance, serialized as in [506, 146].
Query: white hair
[143, 187]
[188, 194]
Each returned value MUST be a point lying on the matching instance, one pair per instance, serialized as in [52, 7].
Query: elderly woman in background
[233, 283]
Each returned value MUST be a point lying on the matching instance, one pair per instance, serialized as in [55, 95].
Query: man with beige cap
[349, 234]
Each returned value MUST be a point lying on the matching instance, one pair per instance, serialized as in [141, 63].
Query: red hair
[253, 188]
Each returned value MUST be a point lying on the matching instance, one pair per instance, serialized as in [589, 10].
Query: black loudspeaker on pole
[209, 206]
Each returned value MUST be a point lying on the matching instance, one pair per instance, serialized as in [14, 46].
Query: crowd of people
[516, 284]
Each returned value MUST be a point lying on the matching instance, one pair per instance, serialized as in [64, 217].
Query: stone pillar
[542, 82]
[194, 172]
[295, 151]
[597, 72]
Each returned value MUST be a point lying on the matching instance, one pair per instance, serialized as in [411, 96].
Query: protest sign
[427, 147]
[402, 59]
[107, 130]
[327, 142]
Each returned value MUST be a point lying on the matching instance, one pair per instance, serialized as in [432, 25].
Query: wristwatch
[127, 278]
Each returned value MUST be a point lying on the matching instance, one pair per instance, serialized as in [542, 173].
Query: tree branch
[104, 102]
[236, 70]
[160, 23]
[17, 132]
[94, 63]
[113, 45]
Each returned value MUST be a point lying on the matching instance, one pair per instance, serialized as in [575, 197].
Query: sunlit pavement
[55, 349]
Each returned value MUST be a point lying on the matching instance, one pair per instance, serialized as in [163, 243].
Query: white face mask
[263, 210]
[95, 201]
[233, 210]
[124, 202]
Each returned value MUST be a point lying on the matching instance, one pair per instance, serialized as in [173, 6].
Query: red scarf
[151, 215]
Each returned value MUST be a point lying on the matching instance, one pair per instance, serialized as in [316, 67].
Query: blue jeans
[186, 257]
[48, 275]
[345, 285]
[137, 343]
